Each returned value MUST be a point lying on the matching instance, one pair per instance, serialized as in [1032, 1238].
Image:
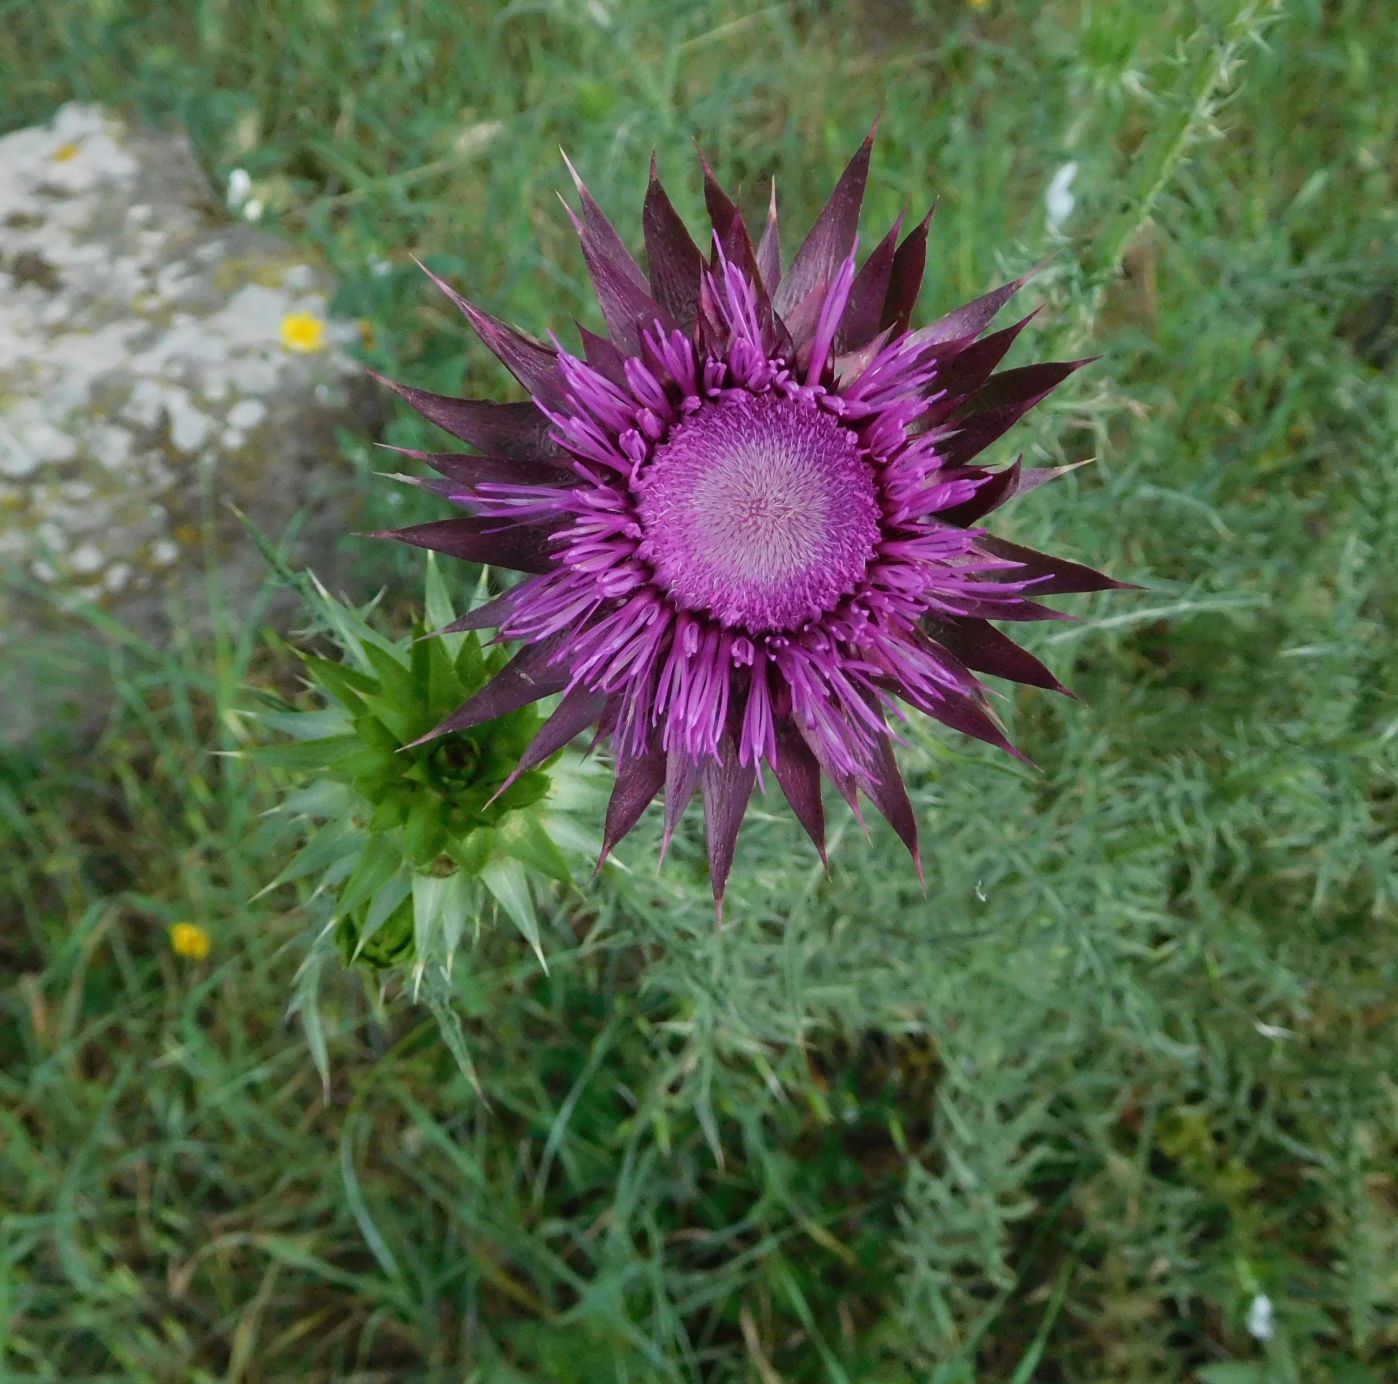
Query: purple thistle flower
[749, 515]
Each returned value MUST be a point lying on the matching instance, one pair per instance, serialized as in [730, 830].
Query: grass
[1124, 1066]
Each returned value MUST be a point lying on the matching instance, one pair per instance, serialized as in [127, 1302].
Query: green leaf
[445, 689]
[336, 873]
[347, 685]
[472, 666]
[386, 902]
[507, 881]
[320, 724]
[327, 845]
[359, 1208]
[522, 835]
[399, 702]
[568, 835]
[439, 908]
[437, 992]
[322, 798]
[305, 1001]
[421, 654]
[472, 850]
[371, 768]
[390, 813]
[305, 755]
[377, 737]
[526, 790]
[349, 627]
[439, 608]
[424, 834]
[378, 861]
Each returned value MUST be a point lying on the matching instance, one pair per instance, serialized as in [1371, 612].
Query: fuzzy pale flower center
[761, 513]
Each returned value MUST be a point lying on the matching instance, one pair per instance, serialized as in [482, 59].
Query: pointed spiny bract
[746, 514]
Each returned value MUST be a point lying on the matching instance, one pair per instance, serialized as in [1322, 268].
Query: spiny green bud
[409, 840]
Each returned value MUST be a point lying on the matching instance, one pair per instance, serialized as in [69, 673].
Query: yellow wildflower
[303, 331]
[189, 940]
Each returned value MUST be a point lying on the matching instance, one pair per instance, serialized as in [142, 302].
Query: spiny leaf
[305, 755]
[521, 835]
[504, 877]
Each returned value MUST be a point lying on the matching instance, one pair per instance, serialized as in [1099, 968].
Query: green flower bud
[408, 840]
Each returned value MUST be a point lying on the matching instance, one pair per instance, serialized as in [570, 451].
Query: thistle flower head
[749, 515]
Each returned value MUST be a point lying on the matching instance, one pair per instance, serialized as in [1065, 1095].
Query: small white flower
[1059, 200]
[239, 188]
[1262, 1324]
[240, 200]
[1272, 1031]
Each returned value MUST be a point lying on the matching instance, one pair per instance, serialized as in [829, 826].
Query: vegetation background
[1124, 1067]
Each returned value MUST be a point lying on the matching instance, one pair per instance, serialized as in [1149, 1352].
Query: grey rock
[157, 359]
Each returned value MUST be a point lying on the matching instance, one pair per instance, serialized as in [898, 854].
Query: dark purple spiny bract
[749, 515]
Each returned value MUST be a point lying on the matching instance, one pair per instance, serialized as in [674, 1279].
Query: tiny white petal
[239, 186]
[475, 139]
[1262, 1324]
[1273, 1031]
[1059, 200]
[253, 210]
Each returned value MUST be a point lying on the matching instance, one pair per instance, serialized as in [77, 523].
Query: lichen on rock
[145, 371]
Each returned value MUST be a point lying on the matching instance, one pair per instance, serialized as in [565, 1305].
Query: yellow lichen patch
[64, 152]
[303, 331]
[189, 940]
